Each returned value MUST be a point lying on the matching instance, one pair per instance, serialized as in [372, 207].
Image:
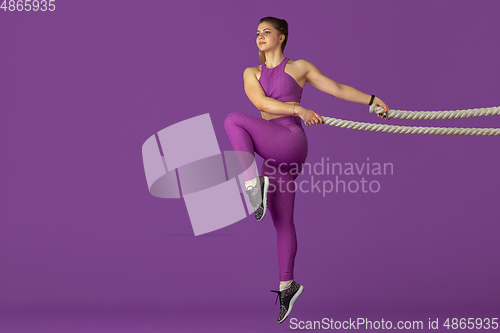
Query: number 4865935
[28, 5]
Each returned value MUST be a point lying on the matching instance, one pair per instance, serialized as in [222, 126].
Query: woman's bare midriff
[267, 115]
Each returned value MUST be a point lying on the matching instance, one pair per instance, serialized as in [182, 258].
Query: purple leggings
[278, 141]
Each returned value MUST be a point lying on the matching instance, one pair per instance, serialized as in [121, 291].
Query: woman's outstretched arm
[342, 91]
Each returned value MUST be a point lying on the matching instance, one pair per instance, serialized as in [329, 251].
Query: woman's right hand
[309, 116]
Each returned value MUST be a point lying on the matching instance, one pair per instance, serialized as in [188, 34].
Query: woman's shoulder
[300, 63]
[298, 68]
[252, 70]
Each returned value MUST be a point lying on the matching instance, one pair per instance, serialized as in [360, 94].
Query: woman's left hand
[379, 102]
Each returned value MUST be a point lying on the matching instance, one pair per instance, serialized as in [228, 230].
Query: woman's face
[267, 36]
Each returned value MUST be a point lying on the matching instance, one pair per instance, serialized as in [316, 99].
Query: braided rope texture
[403, 114]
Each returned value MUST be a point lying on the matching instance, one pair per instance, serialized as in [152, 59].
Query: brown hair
[281, 26]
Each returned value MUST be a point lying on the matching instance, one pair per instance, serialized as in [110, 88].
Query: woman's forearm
[351, 94]
[271, 105]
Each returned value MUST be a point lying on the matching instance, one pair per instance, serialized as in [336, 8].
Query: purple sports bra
[278, 84]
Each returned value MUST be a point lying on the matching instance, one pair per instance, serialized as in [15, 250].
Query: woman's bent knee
[232, 118]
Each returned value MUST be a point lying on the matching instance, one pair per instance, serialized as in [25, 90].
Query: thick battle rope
[403, 114]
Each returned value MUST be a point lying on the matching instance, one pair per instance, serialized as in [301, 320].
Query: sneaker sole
[292, 301]
[266, 186]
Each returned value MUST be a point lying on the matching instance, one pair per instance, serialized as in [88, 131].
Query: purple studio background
[83, 87]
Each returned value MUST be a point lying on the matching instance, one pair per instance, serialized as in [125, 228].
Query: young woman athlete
[275, 88]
